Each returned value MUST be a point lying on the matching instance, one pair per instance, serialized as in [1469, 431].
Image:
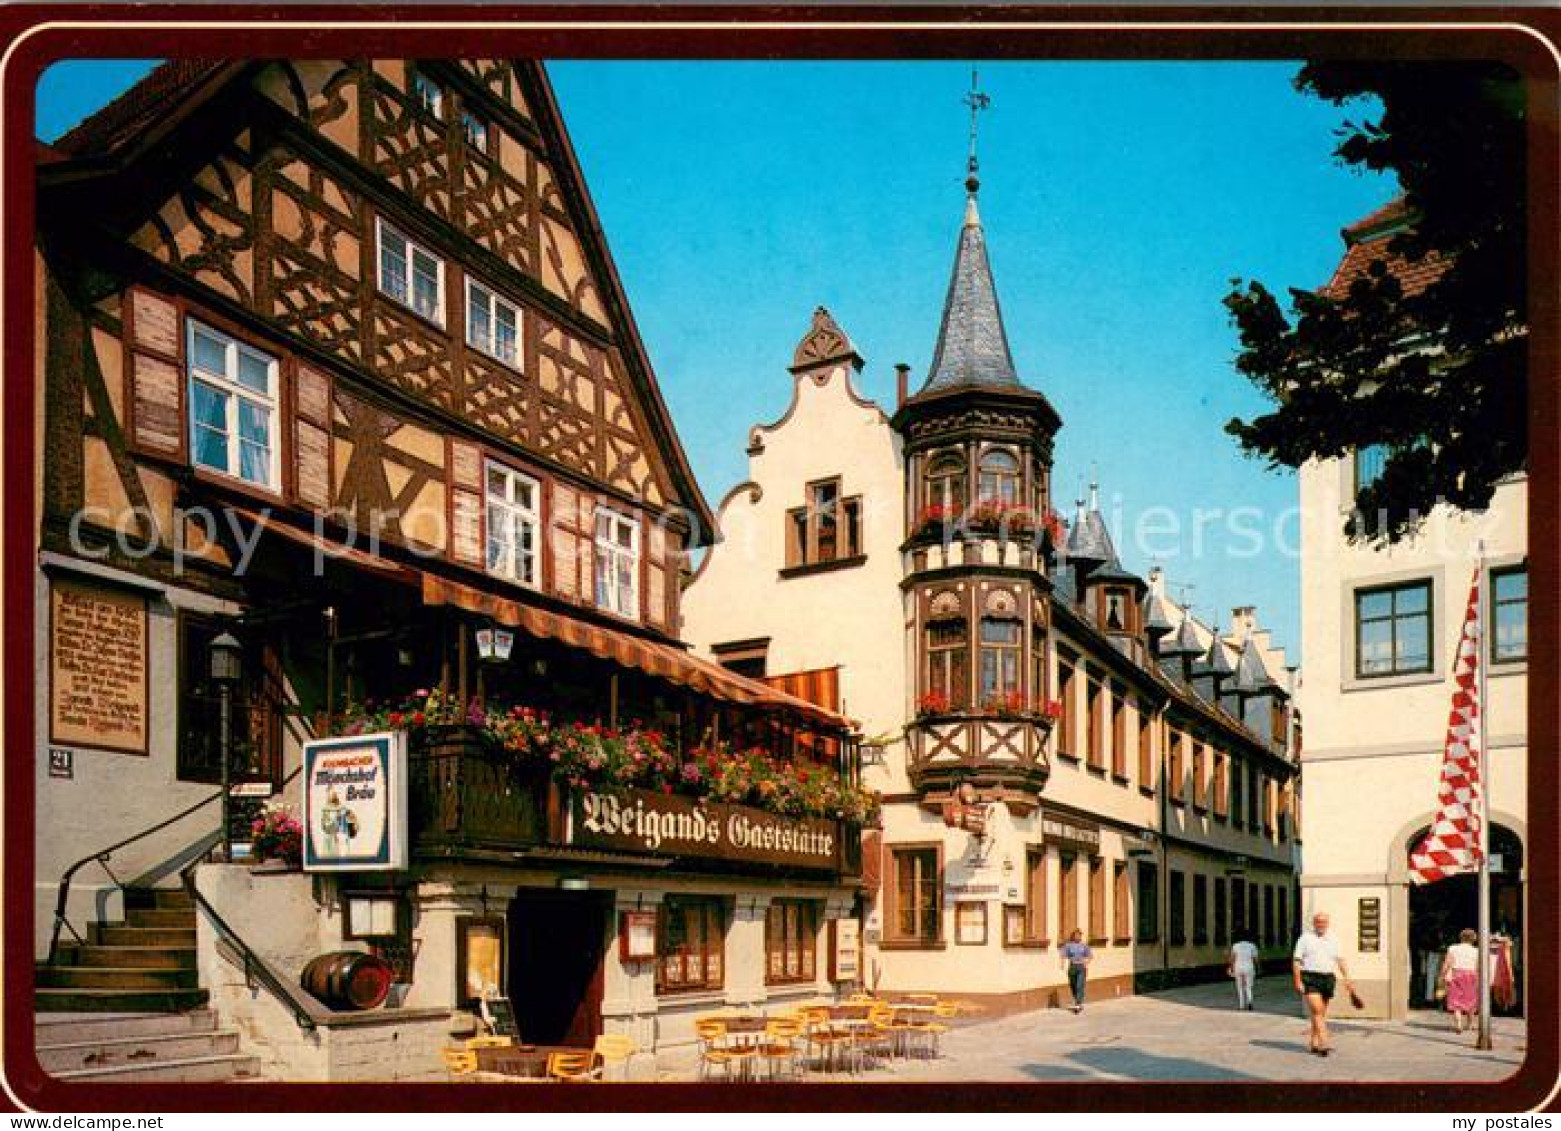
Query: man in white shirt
[1316, 956]
[1242, 966]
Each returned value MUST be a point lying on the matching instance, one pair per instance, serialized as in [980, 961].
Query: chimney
[1243, 620]
[902, 380]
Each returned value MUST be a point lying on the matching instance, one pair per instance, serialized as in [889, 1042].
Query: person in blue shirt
[1076, 955]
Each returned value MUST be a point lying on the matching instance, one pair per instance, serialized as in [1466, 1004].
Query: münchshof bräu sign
[355, 803]
[671, 825]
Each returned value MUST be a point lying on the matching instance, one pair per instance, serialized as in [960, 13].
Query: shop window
[1178, 908]
[999, 479]
[1509, 615]
[947, 664]
[1035, 895]
[1393, 630]
[617, 563]
[514, 522]
[1148, 901]
[1095, 752]
[827, 529]
[255, 714]
[1200, 910]
[1066, 738]
[1121, 907]
[1221, 913]
[946, 485]
[690, 945]
[1118, 732]
[233, 407]
[1000, 641]
[790, 941]
[492, 324]
[1068, 918]
[411, 274]
[1146, 777]
[918, 888]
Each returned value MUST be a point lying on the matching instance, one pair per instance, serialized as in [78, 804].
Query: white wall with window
[233, 407]
[410, 273]
[514, 525]
[617, 563]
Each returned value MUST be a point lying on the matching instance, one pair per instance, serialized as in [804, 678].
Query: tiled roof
[972, 343]
[1367, 243]
[136, 108]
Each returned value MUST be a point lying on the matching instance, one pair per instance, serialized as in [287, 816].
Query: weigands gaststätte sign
[671, 825]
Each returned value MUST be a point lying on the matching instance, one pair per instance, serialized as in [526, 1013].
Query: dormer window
[1118, 610]
[999, 478]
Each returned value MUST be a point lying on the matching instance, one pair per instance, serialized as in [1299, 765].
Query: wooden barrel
[348, 979]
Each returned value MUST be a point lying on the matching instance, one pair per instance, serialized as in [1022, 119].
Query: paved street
[1197, 1034]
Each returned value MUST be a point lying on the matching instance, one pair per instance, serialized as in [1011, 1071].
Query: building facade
[334, 360]
[1058, 744]
[1378, 636]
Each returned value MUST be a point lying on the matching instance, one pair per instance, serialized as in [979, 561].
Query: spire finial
[1094, 487]
[977, 101]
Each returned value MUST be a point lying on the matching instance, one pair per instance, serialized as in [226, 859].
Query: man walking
[1076, 955]
[1316, 958]
[1242, 966]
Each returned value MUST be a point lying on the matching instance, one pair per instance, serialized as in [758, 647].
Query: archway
[1438, 911]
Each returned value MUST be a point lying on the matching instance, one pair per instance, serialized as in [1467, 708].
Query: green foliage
[1438, 376]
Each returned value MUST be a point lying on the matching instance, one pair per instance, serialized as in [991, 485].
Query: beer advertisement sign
[355, 803]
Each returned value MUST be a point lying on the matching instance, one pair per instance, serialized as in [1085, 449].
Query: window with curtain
[918, 908]
[690, 944]
[1509, 615]
[514, 521]
[1000, 645]
[233, 406]
[1393, 630]
[947, 663]
[999, 478]
[790, 941]
[617, 563]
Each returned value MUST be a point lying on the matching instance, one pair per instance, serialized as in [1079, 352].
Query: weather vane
[977, 102]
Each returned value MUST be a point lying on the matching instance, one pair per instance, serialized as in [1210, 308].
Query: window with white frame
[492, 324]
[410, 274]
[617, 563]
[233, 407]
[514, 523]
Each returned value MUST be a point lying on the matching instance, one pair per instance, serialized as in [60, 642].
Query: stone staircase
[135, 1047]
[144, 965]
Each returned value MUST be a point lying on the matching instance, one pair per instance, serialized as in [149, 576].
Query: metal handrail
[255, 968]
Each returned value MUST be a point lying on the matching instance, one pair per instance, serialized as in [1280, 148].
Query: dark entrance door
[1440, 910]
[558, 941]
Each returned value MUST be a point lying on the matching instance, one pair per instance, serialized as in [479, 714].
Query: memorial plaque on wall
[97, 668]
[1369, 925]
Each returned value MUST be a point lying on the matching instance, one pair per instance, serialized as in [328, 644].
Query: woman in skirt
[1461, 979]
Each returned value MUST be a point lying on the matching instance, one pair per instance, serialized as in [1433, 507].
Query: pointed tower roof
[1185, 641]
[972, 342]
[1217, 662]
[1251, 673]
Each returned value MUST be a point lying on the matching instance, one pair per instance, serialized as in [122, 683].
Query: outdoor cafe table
[521, 1061]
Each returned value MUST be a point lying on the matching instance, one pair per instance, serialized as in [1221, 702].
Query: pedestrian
[1076, 955]
[1460, 979]
[1316, 958]
[1242, 966]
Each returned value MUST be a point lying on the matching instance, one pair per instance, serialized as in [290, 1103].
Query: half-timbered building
[334, 362]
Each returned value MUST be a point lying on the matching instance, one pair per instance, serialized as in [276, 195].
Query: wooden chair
[782, 1043]
[572, 1067]
[933, 1030]
[711, 1032]
[614, 1048]
[831, 1043]
[877, 1036]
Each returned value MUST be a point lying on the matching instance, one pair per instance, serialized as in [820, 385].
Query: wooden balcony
[469, 802]
[1005, 756]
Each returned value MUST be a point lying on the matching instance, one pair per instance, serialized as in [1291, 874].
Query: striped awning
[652, 657]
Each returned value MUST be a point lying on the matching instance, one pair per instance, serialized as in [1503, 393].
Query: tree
[1435, 372]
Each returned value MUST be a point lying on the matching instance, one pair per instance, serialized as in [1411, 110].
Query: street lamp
[227, 667]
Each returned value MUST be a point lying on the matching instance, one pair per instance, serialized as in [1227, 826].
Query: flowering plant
[1005, 705]
[936, 514]
[277, 835]
[1056, 528]
[1052, 709]
[933, 703]
[995, 514]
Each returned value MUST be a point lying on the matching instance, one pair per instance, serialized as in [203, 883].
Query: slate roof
[1185, 640]
[136, 108]
[1088, 539]
[972, 343]
[1367, 243]
[1251, 672]
[1217, 662]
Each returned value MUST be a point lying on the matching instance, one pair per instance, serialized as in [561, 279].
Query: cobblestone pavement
[1197, 1034]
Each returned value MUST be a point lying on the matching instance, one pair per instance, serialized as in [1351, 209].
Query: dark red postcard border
[1527, 42]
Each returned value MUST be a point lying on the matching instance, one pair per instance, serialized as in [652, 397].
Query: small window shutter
[155, 352]
[566, 542]
[312, 429]
[657, 607]
[468, 512]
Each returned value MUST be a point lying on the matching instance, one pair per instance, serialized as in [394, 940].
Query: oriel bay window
[948, 671]
[1000, 644]
[233, 400]
[790, 941]
[690, 944]
[492, 324]
[1393, 630]
[513, 524]
[945, 485]
[917, 897]
[411, 274]
[1509, 615]
[617, 563]
[998, 481]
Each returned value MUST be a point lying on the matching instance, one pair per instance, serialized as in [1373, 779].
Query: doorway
[558, 943]
[1439, 911]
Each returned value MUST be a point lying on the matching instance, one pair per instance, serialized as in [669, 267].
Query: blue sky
[1119, 199]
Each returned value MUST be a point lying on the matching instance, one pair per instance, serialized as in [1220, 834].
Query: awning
[650, 656]
[327, 548]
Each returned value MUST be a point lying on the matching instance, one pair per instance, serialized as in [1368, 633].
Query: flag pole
[1482, 655]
